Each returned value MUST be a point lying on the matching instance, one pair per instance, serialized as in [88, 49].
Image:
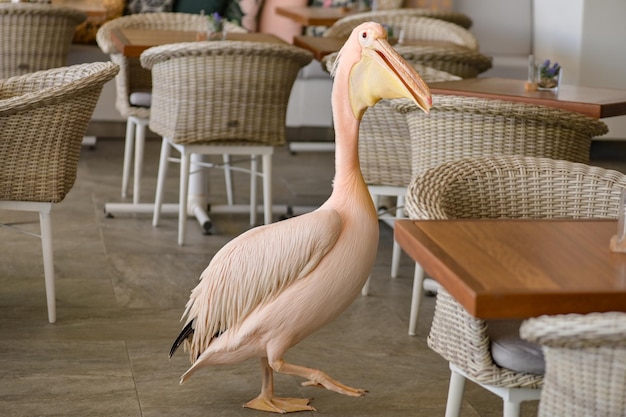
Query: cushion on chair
[510, 351]
[140, 99]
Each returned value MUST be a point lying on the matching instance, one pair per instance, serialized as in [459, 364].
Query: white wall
[588, 38]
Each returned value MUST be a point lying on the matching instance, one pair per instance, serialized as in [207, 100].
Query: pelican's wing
[256, 266]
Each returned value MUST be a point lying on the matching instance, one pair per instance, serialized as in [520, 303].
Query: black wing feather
[186, 333]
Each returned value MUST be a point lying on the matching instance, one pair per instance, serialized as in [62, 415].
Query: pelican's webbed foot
[279, 405]
[325, 381]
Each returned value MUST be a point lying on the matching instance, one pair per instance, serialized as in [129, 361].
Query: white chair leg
[267, 188]
[366, 287]
[48, 262]
[397, 251]
[185, 163]
[228, 178]
[416, 298]
[128, 154]
[455, 394]
[511, 409]
[163, 165]
[253, 192]
[140, 139]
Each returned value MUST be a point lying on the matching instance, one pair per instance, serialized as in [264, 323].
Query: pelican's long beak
[383, 73]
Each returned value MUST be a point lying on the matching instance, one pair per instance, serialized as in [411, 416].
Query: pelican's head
[379, 71]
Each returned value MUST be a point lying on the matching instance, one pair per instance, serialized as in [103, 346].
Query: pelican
[274, 285]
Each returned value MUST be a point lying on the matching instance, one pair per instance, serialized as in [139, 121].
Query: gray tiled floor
[122, 286]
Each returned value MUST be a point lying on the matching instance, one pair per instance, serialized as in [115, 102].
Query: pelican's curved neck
[347, 168]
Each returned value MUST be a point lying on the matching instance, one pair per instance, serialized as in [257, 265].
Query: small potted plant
[216, 30]
[548, 76]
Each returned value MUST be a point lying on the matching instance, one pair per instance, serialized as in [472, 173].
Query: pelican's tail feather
[185, 334]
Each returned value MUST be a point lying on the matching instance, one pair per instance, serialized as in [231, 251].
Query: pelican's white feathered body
[274, 285]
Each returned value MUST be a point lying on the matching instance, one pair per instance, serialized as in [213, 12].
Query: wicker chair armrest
[491, 187]
[44, 10]
[157, 54]
[343, 27]
[39, 89]
[549, 115]
[577, 331]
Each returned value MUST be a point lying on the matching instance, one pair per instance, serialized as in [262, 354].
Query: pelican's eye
[365, 38]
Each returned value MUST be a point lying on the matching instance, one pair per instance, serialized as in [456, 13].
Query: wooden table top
[314, 16]
[594, 102]
[321, 46]
[520, 268]
[132, 42]
[92, 8]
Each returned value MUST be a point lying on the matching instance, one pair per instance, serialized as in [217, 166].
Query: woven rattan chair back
[343, 27]
[502, 187]
[35, 37]
[227, 91]
[226, 98]
[43, 118]
[585, 363]
[465, 127]
[412, 27]
[515, 187]
[132, 76]
[461, 62]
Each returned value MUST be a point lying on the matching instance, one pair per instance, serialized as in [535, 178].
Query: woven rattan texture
[413, 27]
[585, 363]
[343, 27]
[515, 187]
[43, 118]
[507, 187]
[464, 127]
[223, 91]
[35, 37]
[463, 340]
[457, 61]
[384, 139]
[132, 77]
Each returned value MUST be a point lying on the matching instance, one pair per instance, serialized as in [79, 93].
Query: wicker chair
[35, 37]
[501, 187]
[585, 363]
[414, 27]
[134, 83]
[43, 117]
[464, 127]
[343, 27]
[224, 97]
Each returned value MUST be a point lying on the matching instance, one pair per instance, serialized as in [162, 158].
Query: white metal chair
[501, 187]
[585, 363]
[221, 97]
[43, 118]
[35, 37]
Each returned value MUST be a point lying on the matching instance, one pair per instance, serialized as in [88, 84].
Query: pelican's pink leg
[316, 377]
[266, 400]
